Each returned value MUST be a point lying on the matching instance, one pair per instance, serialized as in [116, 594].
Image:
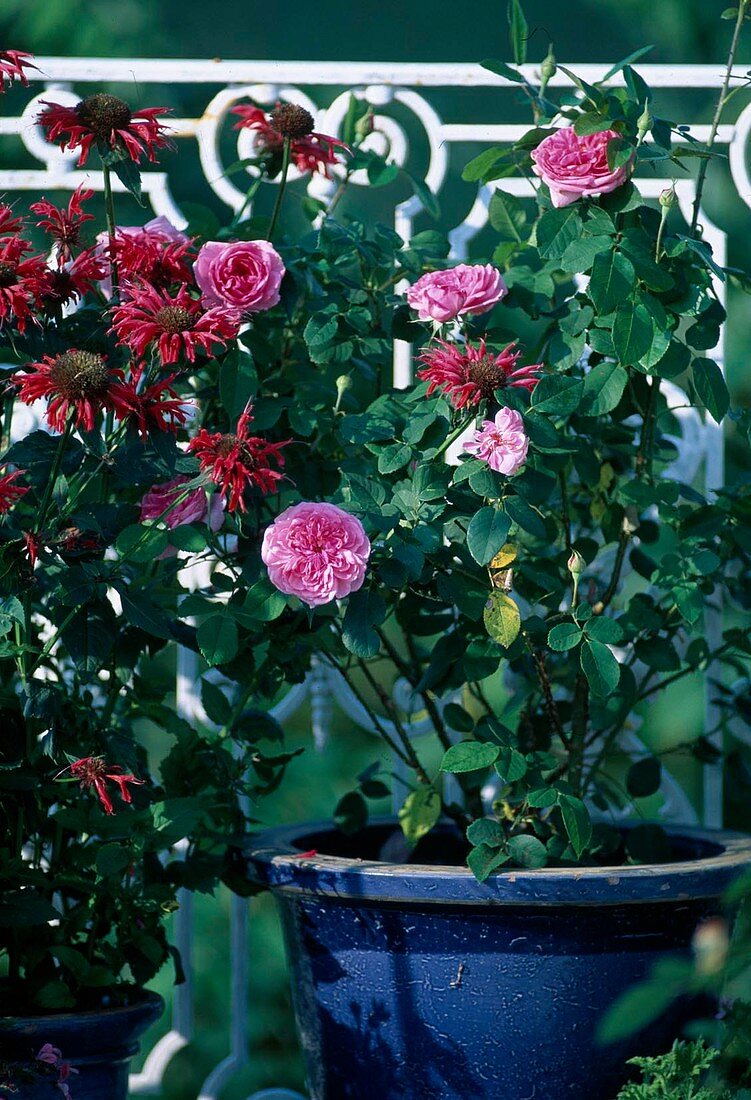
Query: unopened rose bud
[548, 68]
[644, 123]
[343, 383]
[710, 946]
[668, 197]
[576, 564]
[364, 125]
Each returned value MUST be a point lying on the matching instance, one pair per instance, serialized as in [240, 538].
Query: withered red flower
[105, 120]
[93, 771]
[10, 493]
[237, 460]
[71, 282]
[173, 324]
[469, 374]
[309, 151]
[12, 65]
[77, 383]
[155, 407]
[64, 225]
[22, 281]
[10, 224]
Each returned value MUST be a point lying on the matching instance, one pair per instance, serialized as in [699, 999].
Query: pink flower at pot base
[467, 288]
[245, 275]
[575, 166]
[501, 442]
[317, 552]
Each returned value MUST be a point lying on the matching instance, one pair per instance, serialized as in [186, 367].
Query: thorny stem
[547, 691]
[721, 101]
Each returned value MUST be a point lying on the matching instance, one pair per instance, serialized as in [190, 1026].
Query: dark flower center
[228, 442]
[292, 121]
[487, 376]
[102, 113]
[174, 319]
[7, 273]
[78, 374]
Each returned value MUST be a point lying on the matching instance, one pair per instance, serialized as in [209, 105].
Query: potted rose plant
[529, 596]
[131, 524]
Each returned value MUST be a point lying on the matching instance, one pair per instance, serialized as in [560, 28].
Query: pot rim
[148, 1000]
[274, 860]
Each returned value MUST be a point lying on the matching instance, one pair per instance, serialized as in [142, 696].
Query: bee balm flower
[104, 119]
[316, 552]
[468, 374]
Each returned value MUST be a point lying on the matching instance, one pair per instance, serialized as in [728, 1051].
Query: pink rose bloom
[576, 166]
[467, 288]
[245, 275]
[195, 508]
[316, 552]
[502, 442]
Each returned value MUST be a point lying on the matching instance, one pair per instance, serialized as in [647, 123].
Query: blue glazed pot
[99, 1045]
[416, 982]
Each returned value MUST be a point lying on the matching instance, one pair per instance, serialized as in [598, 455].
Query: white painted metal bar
[351, 73]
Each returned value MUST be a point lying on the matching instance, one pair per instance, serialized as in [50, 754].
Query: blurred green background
[401, 30]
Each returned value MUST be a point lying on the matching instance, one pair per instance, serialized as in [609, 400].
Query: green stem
[282, 186]
[109, 213]
[54, 472]
[451, 437]
[702, 175]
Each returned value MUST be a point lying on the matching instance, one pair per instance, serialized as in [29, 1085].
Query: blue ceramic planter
[99, 1045]
[416, 982]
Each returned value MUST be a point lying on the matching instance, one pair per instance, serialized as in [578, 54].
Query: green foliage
[676, 1075]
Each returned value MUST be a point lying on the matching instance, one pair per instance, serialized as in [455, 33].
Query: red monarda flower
[69, 283]
[143, 257]
[10, 225]
[22, 281]
[12, 65]
[94, 772]
[175, 325]
[64, 225]
[238, 460]
[310, 152]
[78, 383]
[105, 120]
[11, 493]
[468, 375]
[156, 408]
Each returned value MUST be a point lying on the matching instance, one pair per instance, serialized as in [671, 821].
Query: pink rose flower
[195, 508]
[576, 166]
[316, 552]
[245, 275]
[467, 288]
[502, 442]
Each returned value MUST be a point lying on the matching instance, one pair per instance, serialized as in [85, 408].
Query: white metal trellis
[407, 87]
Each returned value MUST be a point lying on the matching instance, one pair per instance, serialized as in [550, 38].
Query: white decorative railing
[400, 96]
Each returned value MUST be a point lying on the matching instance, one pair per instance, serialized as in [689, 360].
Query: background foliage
[602, 30]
